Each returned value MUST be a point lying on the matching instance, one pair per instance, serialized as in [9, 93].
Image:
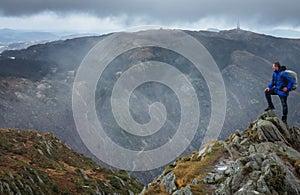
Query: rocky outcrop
[263, 159]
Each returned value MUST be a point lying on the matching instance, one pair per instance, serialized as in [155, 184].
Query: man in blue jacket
[280, 85]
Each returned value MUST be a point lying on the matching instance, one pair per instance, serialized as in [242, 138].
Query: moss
[5, 142]
[122, 175]
[277, 179]
[253, 135]
[297, 166]
[229, 139]
[55, 189]
[242, 160]
[116, 183]
[246, 170]
[78, 181]
[156, 189]
[285, 157]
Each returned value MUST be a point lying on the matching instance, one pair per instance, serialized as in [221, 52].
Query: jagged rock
[1, 187]
[122, 182]
[29, 189]
[39, 179]
[267, 131]
[184, 191]
[263, 172]
[48, 145]
[40, 151]
[213, 178]
[97, 192]
[169, 182]
[259, 160]
[205, 150]
[232, 152]
[280, 125]
[196, 181]
[244, 141]
[285, 150]
[20, 183]
[255, 175]
[297, 166]
[295, 137]
[262, 185]
[6, 186]
[253, 165]
[10, 175]
[130, 192]
[245, 189]
[224, 187]
[264, 115]
[84, 175]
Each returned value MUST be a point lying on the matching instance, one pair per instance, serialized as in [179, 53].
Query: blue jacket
[280, 80]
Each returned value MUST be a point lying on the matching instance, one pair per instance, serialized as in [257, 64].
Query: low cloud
[105, 16]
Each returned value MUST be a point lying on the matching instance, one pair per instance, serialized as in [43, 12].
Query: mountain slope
[262, 159]
[36, 86]
[32, 162]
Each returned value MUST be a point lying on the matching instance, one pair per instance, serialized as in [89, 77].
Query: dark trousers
[283, 100]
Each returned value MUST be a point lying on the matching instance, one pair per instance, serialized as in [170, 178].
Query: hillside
[262, 159]
[32, 162]
[36, 87]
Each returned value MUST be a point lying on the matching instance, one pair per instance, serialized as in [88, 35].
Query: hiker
[280, 85]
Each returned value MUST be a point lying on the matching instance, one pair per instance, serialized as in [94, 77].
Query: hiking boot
[284, 119]
[269, 108]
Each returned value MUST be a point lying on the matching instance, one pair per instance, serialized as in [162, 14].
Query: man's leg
[269, 99]
[283, 100]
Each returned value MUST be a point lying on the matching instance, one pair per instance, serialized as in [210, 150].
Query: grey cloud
[268, 12]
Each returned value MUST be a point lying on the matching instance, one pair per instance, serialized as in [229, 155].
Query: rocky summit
[263, 159]
[32, 162]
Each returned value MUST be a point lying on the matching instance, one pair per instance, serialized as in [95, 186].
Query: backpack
[293, 75]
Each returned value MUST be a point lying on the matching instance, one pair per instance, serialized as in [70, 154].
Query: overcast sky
[102, 16]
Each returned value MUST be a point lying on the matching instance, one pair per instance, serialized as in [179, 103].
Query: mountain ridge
[36, 84]
[32, 162]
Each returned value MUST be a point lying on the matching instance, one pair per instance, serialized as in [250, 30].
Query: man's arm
[271, 84]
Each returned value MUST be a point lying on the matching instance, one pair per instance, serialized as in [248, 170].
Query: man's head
[276, 66]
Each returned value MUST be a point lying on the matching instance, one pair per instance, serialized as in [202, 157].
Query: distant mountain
[213, 30]
[32, 162]
[77, 35]
[19, 45]
[36, 86]
[20, 39]
[8, 36]
[285, 33]
[262, 159]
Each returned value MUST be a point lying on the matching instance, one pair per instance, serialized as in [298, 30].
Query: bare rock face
[263, 159]
[267, 159]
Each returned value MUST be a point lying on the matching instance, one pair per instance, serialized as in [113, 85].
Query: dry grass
[190, 167]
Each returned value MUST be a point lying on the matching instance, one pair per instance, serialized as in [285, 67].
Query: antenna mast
[238, 24]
